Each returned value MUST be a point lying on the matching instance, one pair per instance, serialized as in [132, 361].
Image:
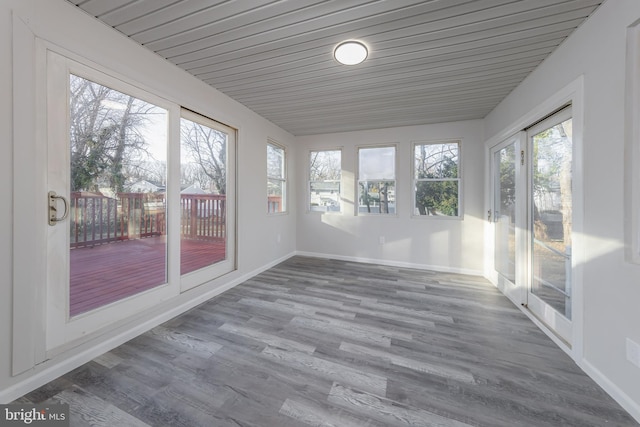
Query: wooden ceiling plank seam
[205, 42]
[384, 115]
[377, 66]
[424, 87]
[325, 23]
[252, 22]
[563, 29]
[339, 109]
[382, 64]
[222, 56]
[285, 105]
[166, 15]
[327, 79]
[205, 34]
[276, 83]
[241, 37]
[219, 24]
[354, 87]
[99, 8]
[401, 88]
[419, 92]
[134, 10]
[426, 99]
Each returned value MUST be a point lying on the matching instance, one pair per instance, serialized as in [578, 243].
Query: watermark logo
[54, 415]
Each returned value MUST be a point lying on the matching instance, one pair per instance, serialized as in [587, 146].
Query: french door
[531, 217]
[141, 200]
[507, 208]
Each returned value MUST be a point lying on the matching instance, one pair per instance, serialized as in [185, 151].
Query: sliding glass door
[550, 221]
[531, 219]
[141, 200]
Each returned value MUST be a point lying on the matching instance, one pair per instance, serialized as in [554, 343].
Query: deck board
[107, 273]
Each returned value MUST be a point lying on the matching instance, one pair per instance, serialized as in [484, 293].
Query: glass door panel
[504, 212]
[117, 205]
[203, 207]
[551, 213]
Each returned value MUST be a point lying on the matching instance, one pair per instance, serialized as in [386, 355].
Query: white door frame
[516, 292]
[572, 93]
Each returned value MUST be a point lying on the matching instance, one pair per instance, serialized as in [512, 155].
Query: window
[117, 180]
[377, 180]
[204, 148]
[437, 179]
[276, 178]
[117, 241]
[325, 170]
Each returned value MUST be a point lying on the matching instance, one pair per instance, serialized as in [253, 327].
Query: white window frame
[309, 182]
[283, 179]
[395, 180]
[632, 146]
[459, 180]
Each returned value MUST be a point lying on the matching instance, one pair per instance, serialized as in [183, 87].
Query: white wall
[444, 244]
[60, 23]
[611, 286]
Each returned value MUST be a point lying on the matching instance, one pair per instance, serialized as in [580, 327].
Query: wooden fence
[97, 219]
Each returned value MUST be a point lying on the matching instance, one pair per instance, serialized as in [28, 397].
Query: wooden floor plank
[316, 342]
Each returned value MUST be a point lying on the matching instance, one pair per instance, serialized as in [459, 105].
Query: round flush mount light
[350, 52]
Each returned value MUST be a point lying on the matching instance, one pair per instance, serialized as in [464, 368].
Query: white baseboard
[66, 362]
[629, 405]
[441, 268]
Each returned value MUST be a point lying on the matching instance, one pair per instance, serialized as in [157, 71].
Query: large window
[117, 198]
[130, 206]
[377, 180]
[325, 170]
[203, 196]
[276, 178]
[436, 175]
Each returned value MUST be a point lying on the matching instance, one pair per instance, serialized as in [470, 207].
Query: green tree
[105, 135]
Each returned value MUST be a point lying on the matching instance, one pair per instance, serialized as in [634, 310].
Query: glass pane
[436, 161]
[275, 162]
[377, 197]
[505, 213]
[275, 195]
[118, 205]
[325, 170]
[552, 207]
[324, 196]
[325, 165]
[203, 169]
[436, 198]
[377, 163]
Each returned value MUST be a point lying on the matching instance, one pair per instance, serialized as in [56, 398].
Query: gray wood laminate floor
[315, 342]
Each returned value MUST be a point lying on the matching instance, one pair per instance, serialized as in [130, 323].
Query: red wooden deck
[107, 273]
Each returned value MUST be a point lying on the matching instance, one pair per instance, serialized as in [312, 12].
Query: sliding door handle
[53, 208]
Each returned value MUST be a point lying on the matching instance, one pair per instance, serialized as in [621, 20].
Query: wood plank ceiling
[430, 61]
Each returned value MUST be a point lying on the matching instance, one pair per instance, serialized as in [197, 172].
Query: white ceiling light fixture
[350, 52]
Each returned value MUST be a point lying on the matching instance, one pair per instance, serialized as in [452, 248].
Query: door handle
[53, 208]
